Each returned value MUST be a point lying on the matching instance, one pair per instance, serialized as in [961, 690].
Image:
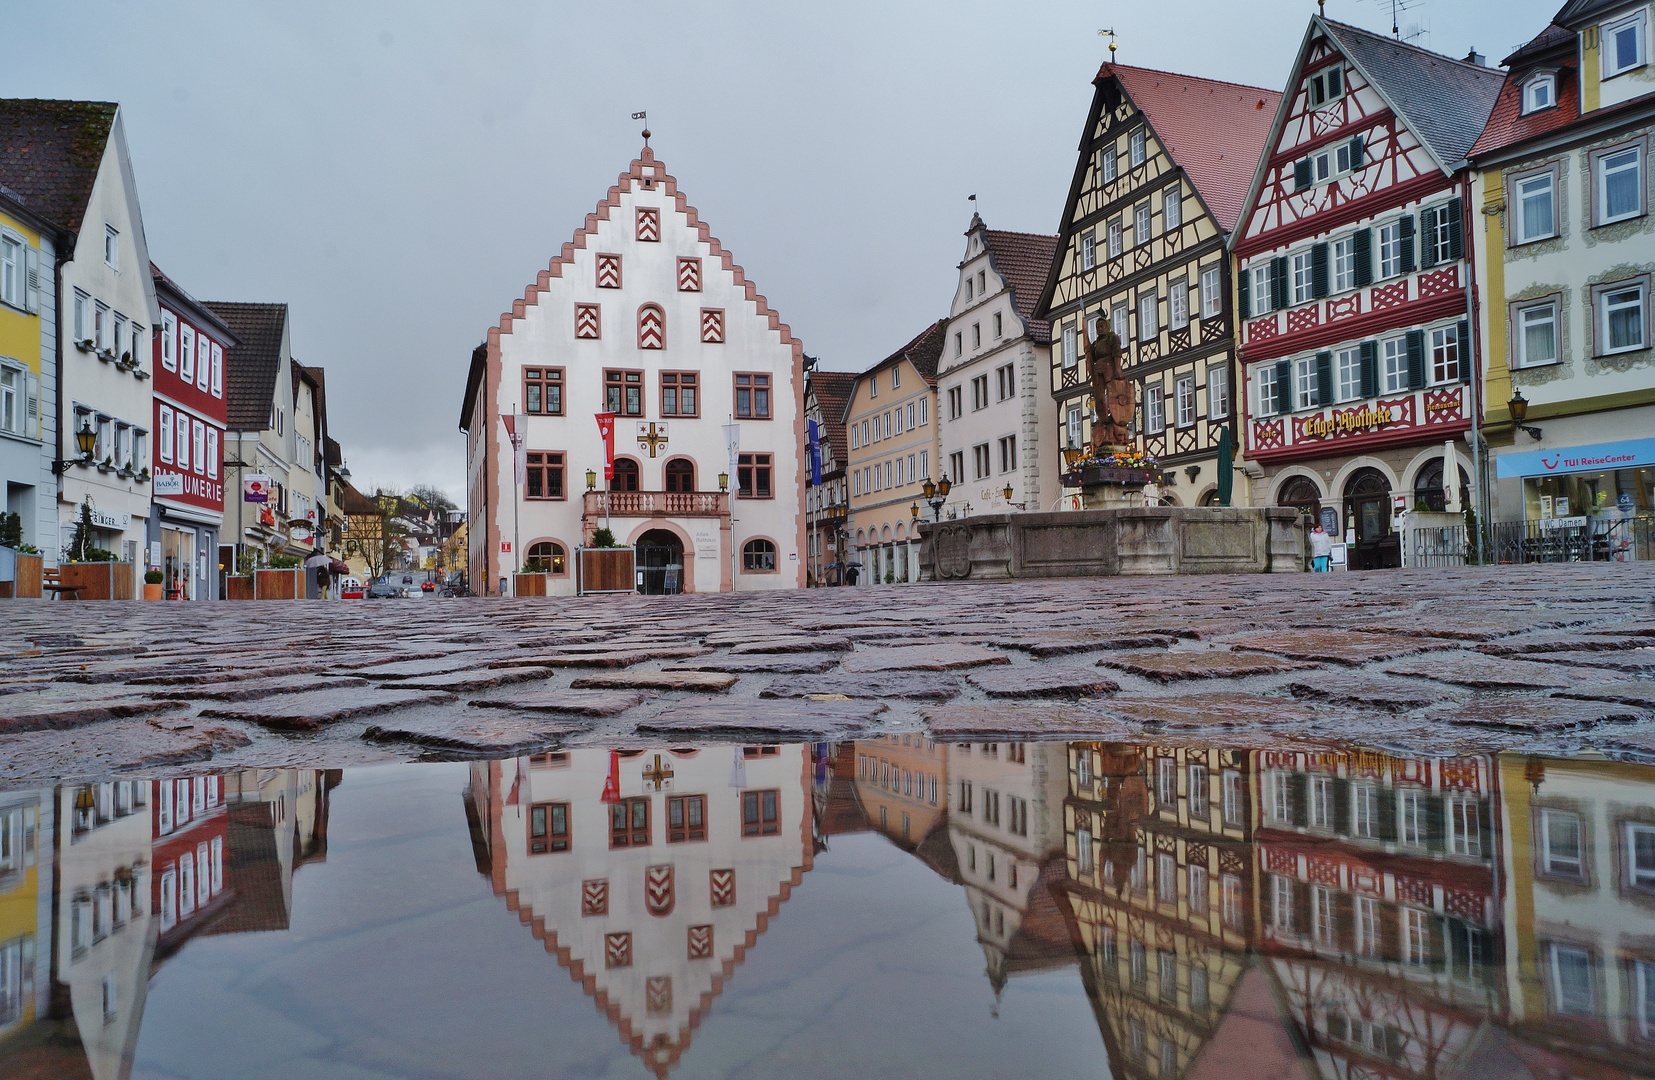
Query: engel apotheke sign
[1603, 457]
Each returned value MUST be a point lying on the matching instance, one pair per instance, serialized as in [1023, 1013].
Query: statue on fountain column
[1112, 393]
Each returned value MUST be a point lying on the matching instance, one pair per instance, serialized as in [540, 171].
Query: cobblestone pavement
[1552, 658]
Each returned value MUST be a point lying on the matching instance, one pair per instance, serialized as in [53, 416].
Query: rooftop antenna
[644, 116]
[1397, 8]
[1110, 34]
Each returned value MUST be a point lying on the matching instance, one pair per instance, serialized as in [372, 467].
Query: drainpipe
[1474, 384]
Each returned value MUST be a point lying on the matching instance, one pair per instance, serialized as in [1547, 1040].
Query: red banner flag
[606, 428]
[612, 782]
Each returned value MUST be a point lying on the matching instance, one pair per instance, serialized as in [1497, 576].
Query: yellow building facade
[28, 373]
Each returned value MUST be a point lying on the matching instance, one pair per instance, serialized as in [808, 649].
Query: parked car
[382, 591]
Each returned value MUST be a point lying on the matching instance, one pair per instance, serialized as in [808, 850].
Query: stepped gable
[50, 153]
[1215, 131]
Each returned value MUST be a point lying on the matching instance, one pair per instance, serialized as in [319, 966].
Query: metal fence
[1580, 539]
[1439, 547]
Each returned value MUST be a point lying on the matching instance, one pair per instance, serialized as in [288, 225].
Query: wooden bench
[53, 583]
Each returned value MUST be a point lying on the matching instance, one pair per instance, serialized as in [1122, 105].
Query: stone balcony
[645, 504]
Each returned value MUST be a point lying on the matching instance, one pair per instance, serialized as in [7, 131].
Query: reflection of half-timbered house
[651, 900]
[1163, 169]
[1159, 894]
[1378, 911]
[1354, 282]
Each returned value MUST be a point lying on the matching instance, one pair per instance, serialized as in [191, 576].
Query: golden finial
[1110, 34]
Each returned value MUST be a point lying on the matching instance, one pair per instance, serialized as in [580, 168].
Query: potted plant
[152, 584]
[20, 563]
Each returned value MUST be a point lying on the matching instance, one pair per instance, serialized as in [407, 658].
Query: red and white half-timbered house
[191, 414]
[1354, 285]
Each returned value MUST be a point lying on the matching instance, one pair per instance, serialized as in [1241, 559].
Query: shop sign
[169, 483]
[102, 520]
[1600, 457]
[1578, 522]
[1347, 422]
[255, 488]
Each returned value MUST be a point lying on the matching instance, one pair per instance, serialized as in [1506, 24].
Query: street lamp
[1519, 407]
[591, 480]
[724, 481]
[86, 439]
[936, 494]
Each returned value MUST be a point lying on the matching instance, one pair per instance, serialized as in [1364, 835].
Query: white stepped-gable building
[645, 315]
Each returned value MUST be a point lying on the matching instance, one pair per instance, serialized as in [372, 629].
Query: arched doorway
[1302, 494]
[1368, 509]
[680, 474]
[626, 475]
[1428, 486]
[660, 562]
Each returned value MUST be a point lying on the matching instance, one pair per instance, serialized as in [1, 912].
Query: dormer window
[1625, 45]
[1327, 85]
[1539, 92]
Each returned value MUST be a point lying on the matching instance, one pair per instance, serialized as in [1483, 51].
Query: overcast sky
[398, 172]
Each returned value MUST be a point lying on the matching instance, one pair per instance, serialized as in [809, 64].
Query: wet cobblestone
[1553, 658]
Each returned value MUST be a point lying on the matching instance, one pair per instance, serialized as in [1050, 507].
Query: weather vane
[644, 116]
[1110, 34]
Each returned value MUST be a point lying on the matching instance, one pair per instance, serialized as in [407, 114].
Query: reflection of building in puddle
[1159, 894]
[1580, 915]
[650, 900]
[141, 866]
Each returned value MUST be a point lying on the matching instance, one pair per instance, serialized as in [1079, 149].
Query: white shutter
[31, 406]
[31, 280]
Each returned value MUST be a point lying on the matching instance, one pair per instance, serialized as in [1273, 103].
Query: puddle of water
[885, 908]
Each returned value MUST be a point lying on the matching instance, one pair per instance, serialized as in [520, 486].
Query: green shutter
[1362, 242]
[1416, 359]
[1369, 352]
[1318, 270]
[1456, 230]
[1301, 174]
[1428, 238]
[1324, 378]
[1244, 293]
[1356, 148]
[1467, 354]
[1408, 265]
[1278, 283]
[1284, 387]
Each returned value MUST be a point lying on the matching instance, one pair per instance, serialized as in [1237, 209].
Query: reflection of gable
[661, 1053]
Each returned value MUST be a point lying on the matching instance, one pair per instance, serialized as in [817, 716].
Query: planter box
[98, 580]
[604, 570]
[278, 584]
[528, 584]
[1104, 474]
[238, 587]
[25, 578]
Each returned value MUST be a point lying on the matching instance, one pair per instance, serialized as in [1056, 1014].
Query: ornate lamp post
[1519, 406]
[937, 494]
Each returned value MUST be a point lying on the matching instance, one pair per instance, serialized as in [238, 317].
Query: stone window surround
[1514, 330]
[1594, 156]
[1515, 209]
[1596, 291]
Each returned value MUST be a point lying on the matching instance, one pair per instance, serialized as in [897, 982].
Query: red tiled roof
[1507, 124]
[833, 390]
[50, 152]
[1024, 260]
[1215, 131]
[923, 352]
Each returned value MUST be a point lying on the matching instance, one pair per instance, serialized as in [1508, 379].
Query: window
[624, 392]
[543, 391]
[1198, 899]
[678, 396]
[1118, 320]
[11, 412]
[753, 396]
[976, 338]
[181, 445]
[758, 557]
[1071, 427]
[1326, 85]
[1438, 224]
[1260, 287]
[546, 557]
[11, 271]
[1536, 219]
[1617, 180]
[1178, 305]
[1344, 264]
[979, 393]
[1008, 454]
[548, 828]
[1088, 252]
[1270, 395]
[1198, 792]
[1006, 382]
[1364, 807]
[1172, 210]
[1560, 844]
[1218, 391]
[959, 344]
[686, 818]
[100, 326]
[1166, 971]
[998, 326]
[980, 461]
[1620, 318]
[1155, 409]
[1465, 835]
[1445, 354]
[753, 473]
[1116, 231]
[627, 476]
[1135, 148]
[1540, 92]
[1281, 909]
[1390, 249]
[760, 813]
[896, 378]
[1643, 994]
[111, 247]
[1183, 390]
[1304, 383]
[198, 442]
[968, 287]
[1140, 225]
[1623, 46]
[1410, 817]
[83, 331]
[1107, 163]
[1320, 794]
[955, 406]
[1070, 354]
[680, 475]
[629, 823]
[1303, 278]
[218, 370]
[1573, 982]
[1395, 356]
[982, 288]
[956, 465]
[165, 445]
[544, 478]
[1149, 316]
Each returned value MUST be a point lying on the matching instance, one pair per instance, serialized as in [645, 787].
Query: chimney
[1475, 57]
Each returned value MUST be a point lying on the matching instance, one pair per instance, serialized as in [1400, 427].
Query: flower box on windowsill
[139, 373]
[106, 466]
[85, 345]
[108, 356]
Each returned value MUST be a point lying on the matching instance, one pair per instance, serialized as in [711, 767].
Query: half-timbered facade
[643, 315]
[826, 393]
[1354, 280]
[1164, 164]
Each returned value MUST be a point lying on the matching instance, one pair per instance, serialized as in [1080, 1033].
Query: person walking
[1321, 550]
